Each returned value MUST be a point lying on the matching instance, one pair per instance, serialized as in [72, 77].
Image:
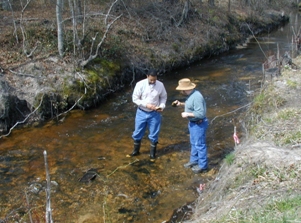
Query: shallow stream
[124, 189]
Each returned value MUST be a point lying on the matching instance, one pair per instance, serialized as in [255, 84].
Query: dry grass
[276, 117]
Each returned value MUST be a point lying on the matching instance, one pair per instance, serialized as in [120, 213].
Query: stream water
[134, 189]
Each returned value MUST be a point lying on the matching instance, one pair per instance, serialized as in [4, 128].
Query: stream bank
[259, 180]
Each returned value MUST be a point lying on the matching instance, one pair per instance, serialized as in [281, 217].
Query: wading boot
[153, 149]
[135, 152]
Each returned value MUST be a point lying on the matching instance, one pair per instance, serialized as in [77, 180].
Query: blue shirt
[195, 103]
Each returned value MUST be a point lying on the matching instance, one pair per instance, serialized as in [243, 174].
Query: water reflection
[126, 189]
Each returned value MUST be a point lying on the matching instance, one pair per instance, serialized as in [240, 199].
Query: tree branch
[73, 105]
[108, 26]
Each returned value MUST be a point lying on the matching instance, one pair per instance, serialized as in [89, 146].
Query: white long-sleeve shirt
[145, 93]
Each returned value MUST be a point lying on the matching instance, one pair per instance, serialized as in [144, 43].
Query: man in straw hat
[150, 96]
[195, 112]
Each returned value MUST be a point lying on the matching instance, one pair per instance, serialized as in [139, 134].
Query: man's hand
[185, 114]
[176, 103]
[159, 109]
[154, 107]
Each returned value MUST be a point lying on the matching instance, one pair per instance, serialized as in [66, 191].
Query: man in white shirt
[150, 96]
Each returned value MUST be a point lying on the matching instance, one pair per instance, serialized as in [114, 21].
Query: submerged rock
[88, 176]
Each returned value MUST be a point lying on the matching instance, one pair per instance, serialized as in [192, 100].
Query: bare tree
[78, 10]
[229, 5]
[24, 41]
[92, 56]
[211, 2]
[60, 32]
[79, 17]
[5, 5]
[185, 12]
[74, 24]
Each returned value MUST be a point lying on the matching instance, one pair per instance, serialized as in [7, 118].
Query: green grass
[292, 138]
[292, 84]
[278, 211]
[258, 171]
[229, 159]
[287, 114]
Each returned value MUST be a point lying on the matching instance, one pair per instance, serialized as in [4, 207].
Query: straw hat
[185, 84]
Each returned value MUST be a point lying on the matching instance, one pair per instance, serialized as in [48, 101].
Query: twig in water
[27, 202]
[48, 202]
[104, 212]
[123, 195]
[136, 160]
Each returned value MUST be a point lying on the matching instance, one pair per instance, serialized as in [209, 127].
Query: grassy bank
[260, 180]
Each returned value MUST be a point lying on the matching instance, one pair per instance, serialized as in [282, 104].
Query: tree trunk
[5, 5]
[78, 10]
[211, 2]
[229, 5]
[60, 32]
[74, 24]
[185, 12]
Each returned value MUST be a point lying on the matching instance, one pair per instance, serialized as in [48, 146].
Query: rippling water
[129, 189]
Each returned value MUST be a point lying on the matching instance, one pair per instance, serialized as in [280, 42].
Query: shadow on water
[92, 180]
